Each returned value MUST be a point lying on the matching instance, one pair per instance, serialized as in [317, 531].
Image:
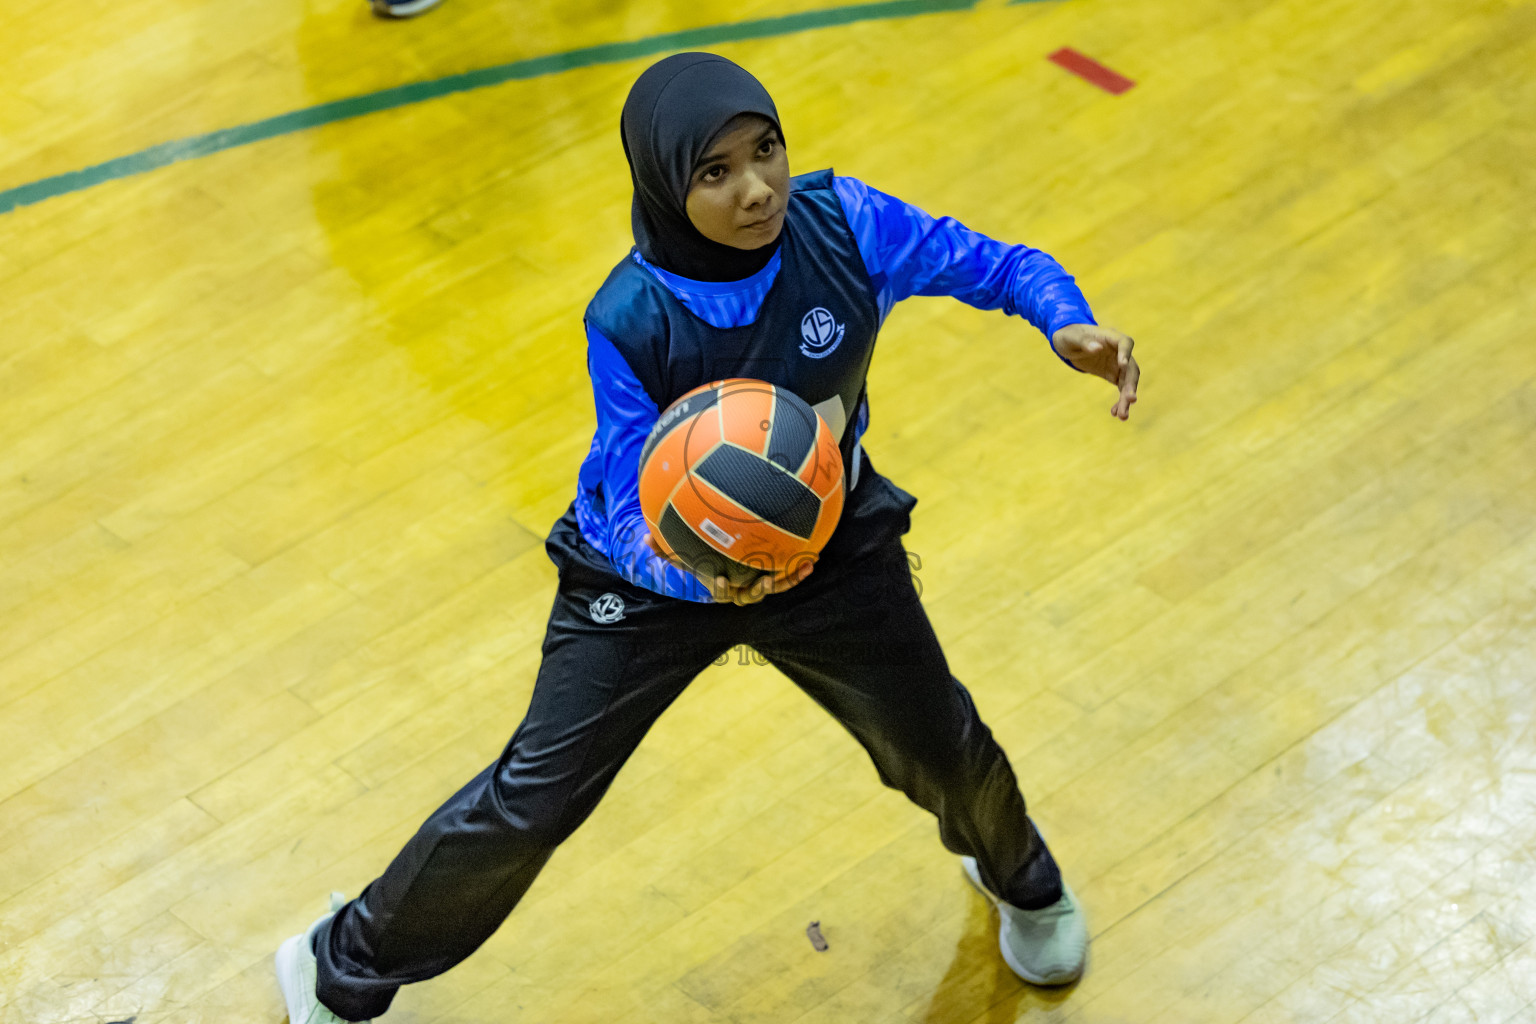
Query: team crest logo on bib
[607, 609]
[820, 333]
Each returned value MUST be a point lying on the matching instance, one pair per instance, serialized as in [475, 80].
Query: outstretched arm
[908, 252]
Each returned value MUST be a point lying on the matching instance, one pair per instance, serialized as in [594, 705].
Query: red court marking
[1091, 70]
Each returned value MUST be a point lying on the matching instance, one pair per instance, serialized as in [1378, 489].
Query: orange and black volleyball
[740, 479]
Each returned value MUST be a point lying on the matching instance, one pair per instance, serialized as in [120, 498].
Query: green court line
[417, 92]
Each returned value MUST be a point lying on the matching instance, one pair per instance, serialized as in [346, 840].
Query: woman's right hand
[725, 592]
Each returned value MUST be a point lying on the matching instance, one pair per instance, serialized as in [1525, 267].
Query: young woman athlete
[738, 270]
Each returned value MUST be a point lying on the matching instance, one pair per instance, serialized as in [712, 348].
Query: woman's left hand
[1103, 352]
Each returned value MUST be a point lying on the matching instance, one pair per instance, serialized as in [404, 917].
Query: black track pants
[854, 636]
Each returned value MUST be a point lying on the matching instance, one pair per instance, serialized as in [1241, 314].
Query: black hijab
[674, 111]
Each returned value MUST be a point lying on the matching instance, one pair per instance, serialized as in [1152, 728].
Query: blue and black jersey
[806, 322]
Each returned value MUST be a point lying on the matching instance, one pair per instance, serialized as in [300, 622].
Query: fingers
[792, 577]
[726, 592]
[779, 584]
[1130, 379]
[753, 592]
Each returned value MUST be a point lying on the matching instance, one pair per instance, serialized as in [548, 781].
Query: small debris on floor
[813, 932]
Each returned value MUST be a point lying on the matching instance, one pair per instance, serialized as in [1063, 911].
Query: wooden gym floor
[282, 429]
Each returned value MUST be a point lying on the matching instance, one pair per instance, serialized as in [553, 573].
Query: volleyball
[741, 479]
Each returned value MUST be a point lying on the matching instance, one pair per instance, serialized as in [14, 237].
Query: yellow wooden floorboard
[283, 428]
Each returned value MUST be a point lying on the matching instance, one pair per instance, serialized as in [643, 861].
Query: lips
[762, 223]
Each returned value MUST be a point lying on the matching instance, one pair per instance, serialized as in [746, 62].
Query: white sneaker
[1048, 946]
[402, 8]
[296, 974]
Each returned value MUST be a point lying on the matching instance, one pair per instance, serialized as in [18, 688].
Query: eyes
[719, 171]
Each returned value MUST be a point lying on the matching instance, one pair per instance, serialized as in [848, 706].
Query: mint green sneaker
[296, 974]
[1048, 946]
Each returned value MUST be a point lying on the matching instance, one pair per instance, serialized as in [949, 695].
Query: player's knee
[543, 817]
[550, 833]
[542, 827]
[960, 765]
[924, 770]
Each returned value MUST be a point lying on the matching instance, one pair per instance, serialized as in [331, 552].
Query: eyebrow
[715, 157]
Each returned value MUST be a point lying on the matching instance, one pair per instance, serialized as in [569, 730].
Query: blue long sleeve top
[905, 251]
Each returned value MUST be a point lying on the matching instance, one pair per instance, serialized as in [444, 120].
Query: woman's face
[740, 188]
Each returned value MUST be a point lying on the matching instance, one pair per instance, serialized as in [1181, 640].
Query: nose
[755, 191]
